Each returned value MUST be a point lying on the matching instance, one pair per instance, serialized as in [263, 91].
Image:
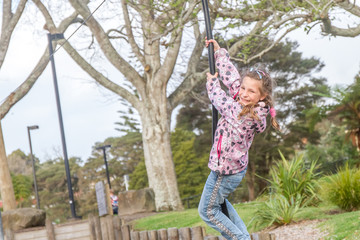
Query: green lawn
[340, 225]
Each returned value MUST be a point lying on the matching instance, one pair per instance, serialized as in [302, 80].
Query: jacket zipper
[218, 149]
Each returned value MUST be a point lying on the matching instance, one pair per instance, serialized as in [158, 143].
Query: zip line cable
[66, 40]
[212, 72]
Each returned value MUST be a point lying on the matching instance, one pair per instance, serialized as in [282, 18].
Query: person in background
[114, 202]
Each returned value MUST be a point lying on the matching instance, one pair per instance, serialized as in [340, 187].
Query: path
[305, 230]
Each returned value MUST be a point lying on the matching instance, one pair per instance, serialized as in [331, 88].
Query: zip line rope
[212, 72]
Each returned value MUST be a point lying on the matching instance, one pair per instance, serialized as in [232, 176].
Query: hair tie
[259, 72]
[272, 112]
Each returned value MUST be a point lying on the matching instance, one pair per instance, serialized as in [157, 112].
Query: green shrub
[292, 178]
[293, 186]
[277, 210]
[343, 188]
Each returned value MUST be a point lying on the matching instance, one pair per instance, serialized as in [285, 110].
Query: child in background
[114, 202]
[243, 114]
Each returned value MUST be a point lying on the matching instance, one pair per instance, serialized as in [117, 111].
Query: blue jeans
[217, 188]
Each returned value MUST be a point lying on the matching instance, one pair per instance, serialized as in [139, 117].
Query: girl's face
[250, 91]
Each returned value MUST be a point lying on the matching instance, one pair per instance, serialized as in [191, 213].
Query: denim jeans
[217, 188]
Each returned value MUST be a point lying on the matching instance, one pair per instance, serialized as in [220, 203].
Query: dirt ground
[304, 230]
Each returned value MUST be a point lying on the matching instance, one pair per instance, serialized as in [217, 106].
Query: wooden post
[135, 235]
[9, 234]
[210, 238]
[263, 236]
[185, 233]
[162, 234]
[203, 230]
[125, 232]
[92, 231]
[196, 233]
[110, 227]
[153, 235]
[173, 234]
[49, 229]
[108, 200]
[98, 228]
[117, 227]
[144, 235]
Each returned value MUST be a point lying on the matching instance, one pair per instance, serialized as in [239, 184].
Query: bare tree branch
[25, 87]
[100, 78]
[328, 28]
[9, 21]
[135, 48]
[117, 61]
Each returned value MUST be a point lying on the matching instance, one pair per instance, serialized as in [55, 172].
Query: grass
[342, 225]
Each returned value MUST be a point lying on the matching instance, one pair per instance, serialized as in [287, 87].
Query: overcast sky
[90, 111]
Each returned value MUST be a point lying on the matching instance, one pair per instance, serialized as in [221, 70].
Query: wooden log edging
[263, 236]
[186, 233]
[112, 228]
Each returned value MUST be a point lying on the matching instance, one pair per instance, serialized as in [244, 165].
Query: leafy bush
[293, 186]
[292, 178]
[343, 188]
[277, 210]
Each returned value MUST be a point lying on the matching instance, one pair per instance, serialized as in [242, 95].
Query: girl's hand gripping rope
[216, 45]
[209, 76]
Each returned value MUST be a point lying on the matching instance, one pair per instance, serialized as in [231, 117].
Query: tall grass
[343, 188]
[293, 186]
[292, 178]
[278, 210]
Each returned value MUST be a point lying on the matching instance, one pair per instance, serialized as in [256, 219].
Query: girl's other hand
[210, 76]
[216, 45]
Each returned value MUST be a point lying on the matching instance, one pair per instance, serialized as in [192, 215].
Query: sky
[90, 111]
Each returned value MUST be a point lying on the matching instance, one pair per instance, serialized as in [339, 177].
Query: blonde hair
[267, 86]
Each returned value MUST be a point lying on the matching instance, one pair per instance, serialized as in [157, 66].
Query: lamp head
[103, 147]
[33, 127]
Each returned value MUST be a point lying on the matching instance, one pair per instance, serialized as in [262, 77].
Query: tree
[19, 163]
[20, 166]
[343, 110]
[10, 18]
[154, 34]
[190, 165]
[22, 188]
[52, 184]
[332, 151]
[123, 156]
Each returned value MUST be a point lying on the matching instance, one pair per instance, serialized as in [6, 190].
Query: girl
[243, 114]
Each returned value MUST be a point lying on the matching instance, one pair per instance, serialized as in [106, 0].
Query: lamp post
[106, 164]
[52, 37]
[33, 166]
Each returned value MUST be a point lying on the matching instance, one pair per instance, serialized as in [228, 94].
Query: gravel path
[305, 230]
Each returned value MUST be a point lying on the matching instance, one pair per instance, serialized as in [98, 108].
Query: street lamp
[106, 165]
[33, 166]
[52, 37]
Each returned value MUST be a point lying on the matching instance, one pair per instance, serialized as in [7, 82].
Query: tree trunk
[250, 180]
[7, 190]
[157, 150]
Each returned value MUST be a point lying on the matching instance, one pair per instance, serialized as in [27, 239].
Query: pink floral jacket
[233, 136]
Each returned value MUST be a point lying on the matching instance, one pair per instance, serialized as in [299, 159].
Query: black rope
[212, 71]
